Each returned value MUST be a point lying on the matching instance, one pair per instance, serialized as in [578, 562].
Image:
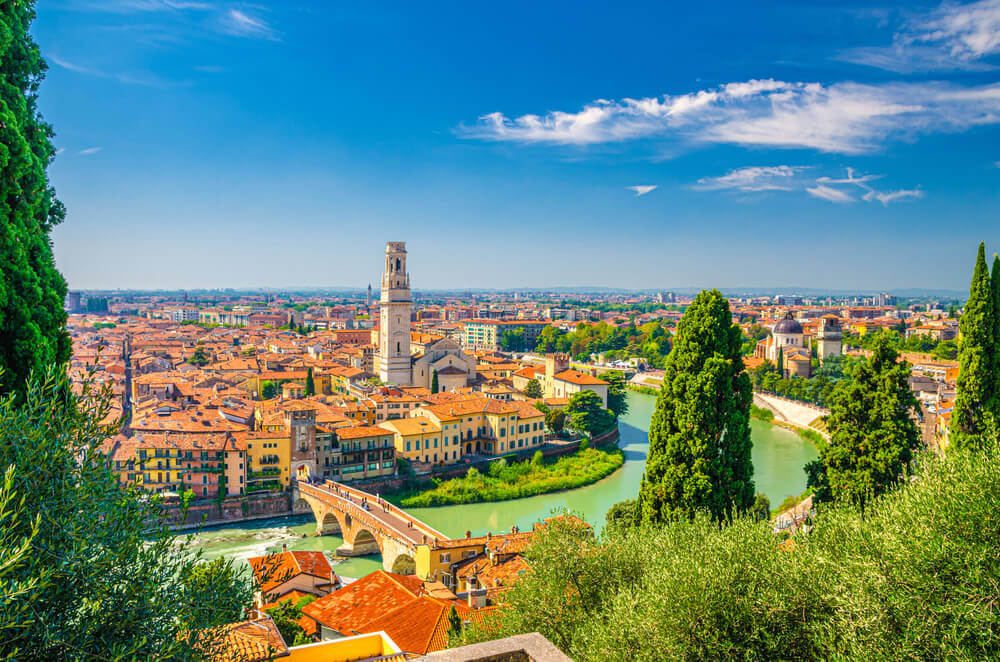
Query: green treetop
[32, 320]
[617, 396]
[310, 384]
[533, 389]
[995, 286]
[976, 356]
[699, 435]
[435, 385]
[586, 413]
[872, 432]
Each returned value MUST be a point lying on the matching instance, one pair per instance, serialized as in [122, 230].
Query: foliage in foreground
[912, 578]
[104, 578]
[520, 479]
[32, 291]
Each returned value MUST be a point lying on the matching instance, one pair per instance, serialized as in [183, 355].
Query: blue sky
[227, 144]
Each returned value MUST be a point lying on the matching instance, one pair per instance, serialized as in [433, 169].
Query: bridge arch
[404, 564]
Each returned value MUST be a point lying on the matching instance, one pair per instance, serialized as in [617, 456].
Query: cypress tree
[976, 356]
[781, 361]
[872, 433]
[32, 320]
[310, 384]
[434, 382]
[699, 435]
[995, 285]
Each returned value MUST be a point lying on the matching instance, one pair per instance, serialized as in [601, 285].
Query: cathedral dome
[788, 326]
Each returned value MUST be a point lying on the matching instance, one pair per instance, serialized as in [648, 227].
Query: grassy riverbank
[513, 481]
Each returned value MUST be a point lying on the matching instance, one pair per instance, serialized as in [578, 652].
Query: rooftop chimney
[284, 547]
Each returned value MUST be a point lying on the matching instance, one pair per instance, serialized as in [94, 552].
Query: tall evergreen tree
[976, 356]
[995, 285]
[435, 385]
[872, 433]
[310, 384]
[32, 291]
[699, 435]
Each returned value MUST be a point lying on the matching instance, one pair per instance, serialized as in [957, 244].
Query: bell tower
[829, 338]
[394, 318]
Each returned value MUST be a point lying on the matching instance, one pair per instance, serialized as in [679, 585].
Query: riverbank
[504, 481]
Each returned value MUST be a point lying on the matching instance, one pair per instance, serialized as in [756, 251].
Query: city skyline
[228, 145]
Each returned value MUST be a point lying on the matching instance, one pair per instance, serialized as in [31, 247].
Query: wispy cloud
[850, 179]
[886, 198]
[790, 178]
[89, 151]
[642, 189]
[753, 178]
[239, 23]
[953, 36]
[141, 78]
[830, 194]
[847, 118]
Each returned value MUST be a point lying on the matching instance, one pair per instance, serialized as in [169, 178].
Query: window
[407, 446]
[445, 557]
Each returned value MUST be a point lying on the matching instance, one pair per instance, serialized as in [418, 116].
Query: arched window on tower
[397, 264]
[397, 347]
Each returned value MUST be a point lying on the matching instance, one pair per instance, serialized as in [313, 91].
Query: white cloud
[89, 151]
[850, 179]
[752, 178]
[241, 24]
[642, 189]
[846, 118]
[830, 194]
[953, 36]
[886, 198]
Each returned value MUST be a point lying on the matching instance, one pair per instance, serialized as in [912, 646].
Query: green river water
[778, 457]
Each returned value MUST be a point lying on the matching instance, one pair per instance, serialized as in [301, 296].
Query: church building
[401, 361]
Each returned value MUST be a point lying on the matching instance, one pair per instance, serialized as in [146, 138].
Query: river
[778, 457]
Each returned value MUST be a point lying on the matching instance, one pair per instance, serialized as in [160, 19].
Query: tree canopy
[32, 291]
[105, 578]
[699, 435]
[976, 399]
[872, 433]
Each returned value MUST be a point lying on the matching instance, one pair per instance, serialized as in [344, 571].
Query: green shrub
[761, 413]
[913, 577]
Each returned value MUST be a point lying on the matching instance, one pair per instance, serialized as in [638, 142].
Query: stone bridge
[366, 526]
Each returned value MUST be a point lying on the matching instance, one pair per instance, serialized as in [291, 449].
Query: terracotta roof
[246, 641]
[581, 378]
[347, 610]
[274, 570]
[360, 432]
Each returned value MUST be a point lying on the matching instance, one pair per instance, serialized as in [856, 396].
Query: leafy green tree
[555, 420]
[761, 508]
[781, 360]
[310, 383]
[622, 516]
[513, 341]
[872, 432]
[976, 355]
[32, 320]
[198, 357]
[617, 393]
[699, 435]
[106, 578]
[286, 615]
[995, 286]
[454, 625]
[268, 389]
[913, 578]
[533, 389]
[586, 413]
[435, 386]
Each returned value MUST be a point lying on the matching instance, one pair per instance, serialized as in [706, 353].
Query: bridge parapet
[418, 526]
